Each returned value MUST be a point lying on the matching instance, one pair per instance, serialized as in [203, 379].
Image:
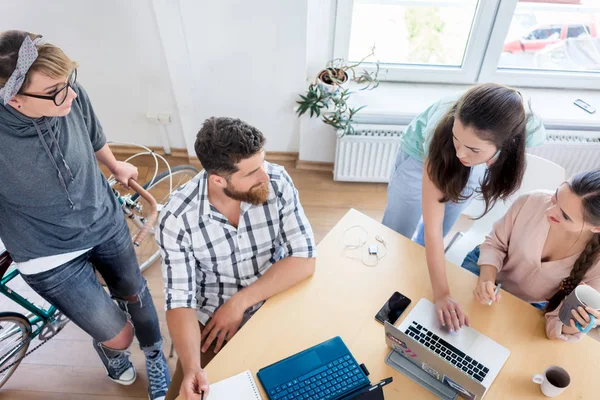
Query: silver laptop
[467, 361]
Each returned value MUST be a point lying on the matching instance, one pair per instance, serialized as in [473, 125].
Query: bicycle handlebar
[151, 219]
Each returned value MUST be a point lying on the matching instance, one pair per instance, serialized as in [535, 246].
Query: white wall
[317, 140]
[122, 63]
[193, 59]
[248, 60]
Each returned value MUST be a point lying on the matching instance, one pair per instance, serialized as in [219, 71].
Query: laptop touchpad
[463, 339]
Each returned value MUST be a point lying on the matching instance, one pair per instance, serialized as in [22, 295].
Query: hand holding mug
[581, 309]
[584, 319]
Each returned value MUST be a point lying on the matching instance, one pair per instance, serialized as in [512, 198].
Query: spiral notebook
[238, 387]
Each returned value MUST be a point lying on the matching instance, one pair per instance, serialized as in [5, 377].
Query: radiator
[575, 151]
[369, 155]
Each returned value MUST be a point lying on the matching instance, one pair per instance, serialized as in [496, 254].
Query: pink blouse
[515, 248]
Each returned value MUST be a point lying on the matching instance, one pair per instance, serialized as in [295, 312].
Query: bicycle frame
[38, 317]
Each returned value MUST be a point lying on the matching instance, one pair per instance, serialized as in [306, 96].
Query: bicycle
[17, 330]
[160, 187]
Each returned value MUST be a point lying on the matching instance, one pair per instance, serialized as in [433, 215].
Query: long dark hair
[586, 186]
[498, 116]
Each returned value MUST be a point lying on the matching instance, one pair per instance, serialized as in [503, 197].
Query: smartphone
[393, 308]
[584, 106]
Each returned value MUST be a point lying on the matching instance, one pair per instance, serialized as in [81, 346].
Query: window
[411, 33]
[552, 43]
[544, 33]
[576, 31]
[416, 40]
[551, 36]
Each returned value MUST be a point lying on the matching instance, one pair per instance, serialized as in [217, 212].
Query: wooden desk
[343, 297]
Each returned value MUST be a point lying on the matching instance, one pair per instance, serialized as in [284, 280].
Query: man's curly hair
[223, 142]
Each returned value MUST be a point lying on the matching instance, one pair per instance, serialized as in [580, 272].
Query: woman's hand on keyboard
[450, 313]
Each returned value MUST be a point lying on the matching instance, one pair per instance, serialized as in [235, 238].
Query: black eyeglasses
[61, 94]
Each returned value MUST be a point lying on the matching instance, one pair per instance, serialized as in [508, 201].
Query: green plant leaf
[301, 110]
[355, 110]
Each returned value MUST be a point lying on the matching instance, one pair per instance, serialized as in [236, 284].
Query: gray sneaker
[126, 378]
[116, 364]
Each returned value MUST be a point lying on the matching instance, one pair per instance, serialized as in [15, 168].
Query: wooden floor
[67, 367]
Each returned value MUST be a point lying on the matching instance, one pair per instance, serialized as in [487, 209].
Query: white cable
[154, 155]
[361, 244]
[148, 150]
[156, 169]
[381, 240]
[155, 163]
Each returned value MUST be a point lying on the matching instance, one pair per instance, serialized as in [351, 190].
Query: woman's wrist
[441, 292]
[113, 167]
[439, 283]
[487, 273]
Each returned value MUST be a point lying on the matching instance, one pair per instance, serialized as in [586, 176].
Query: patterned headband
[27, 55]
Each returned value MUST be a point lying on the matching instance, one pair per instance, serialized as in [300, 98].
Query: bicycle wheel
[147, 253]
[14, 342]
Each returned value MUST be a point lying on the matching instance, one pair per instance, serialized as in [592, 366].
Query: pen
[198, 391]
[495, 293]
[382, 383]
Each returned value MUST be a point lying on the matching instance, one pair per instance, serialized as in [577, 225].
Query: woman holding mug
[544, 247]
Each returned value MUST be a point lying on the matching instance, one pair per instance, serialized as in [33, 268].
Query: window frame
[466, 73]
[526, 78]
[491, 23]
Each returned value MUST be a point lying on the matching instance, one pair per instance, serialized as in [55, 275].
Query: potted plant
[364, 153]
[327, 98]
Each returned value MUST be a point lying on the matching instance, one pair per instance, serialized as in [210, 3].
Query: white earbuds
[373, 250]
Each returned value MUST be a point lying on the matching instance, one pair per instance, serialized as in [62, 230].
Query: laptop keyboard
[327, 382]
[445, 350]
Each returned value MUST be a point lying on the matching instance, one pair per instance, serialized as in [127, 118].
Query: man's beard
[257, 195]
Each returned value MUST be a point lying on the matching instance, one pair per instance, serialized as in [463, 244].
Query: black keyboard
[445, 350]
[327, 382]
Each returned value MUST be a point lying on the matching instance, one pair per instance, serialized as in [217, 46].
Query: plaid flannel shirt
[206, 260]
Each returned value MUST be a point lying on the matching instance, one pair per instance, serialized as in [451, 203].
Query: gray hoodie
[53, 197]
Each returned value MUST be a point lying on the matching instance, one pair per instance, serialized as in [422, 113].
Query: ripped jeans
[74, 290]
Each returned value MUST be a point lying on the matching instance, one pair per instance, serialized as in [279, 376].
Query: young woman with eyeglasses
[58, 216]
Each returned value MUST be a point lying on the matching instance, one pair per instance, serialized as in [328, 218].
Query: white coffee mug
[554, 381]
